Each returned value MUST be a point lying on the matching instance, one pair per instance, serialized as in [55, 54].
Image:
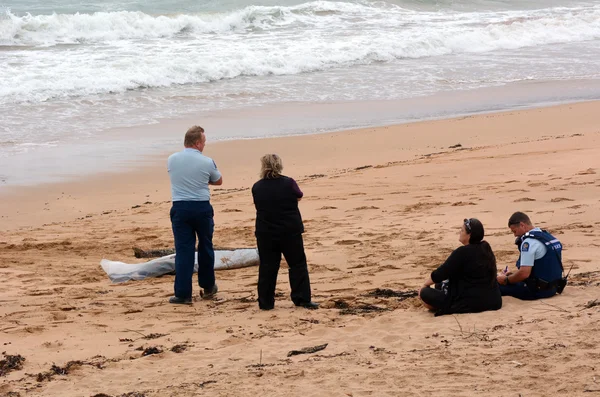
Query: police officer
[540, 269]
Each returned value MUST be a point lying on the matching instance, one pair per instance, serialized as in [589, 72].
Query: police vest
[549, 267]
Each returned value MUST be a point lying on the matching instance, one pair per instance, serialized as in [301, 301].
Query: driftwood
[140, 253]
[591, 304]
[307, 350]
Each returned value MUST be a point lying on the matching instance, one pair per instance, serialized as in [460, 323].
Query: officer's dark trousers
[521, 291]
[191, 219]
[270, 249]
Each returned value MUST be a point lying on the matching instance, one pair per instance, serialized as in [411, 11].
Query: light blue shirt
[532, 249]
[190, 171]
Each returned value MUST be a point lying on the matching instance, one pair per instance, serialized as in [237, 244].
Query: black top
[472, 281]
[276, 202]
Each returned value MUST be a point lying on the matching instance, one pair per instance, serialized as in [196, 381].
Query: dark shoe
[265, 307]
[209, 293]
[180, 301]
[309, 305]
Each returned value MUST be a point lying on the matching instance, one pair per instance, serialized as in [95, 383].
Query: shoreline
[47, 203]
[76, 158]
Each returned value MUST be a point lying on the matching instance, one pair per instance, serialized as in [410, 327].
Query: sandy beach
[382, 209]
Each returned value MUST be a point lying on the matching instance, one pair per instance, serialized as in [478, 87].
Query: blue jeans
[190, 219]
[521, 291]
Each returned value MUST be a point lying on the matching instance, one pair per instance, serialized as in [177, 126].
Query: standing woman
[279, 231]
[471, 274]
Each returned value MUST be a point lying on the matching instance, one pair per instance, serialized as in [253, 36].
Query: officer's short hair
[193, 135]
[517, 218]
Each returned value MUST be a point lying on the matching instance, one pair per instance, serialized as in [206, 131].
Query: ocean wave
[124, 51]
[131, 25]
[47, 30]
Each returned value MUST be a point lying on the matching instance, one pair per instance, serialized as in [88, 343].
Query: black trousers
[270, 249]
[434, 296]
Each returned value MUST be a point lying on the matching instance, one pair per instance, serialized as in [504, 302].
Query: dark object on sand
[151, 350]
[362, 309]
[389, 293]
[591, 304]
[11, 363]
[140, 253]
[307, 350]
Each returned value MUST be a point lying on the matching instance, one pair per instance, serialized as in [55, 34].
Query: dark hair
[517, 218]
[476, 234]
[475, 229]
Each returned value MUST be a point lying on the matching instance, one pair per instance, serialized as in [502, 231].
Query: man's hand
[218, 182]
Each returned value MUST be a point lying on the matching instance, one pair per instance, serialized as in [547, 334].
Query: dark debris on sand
[68, 368]
[11, 363]
[592, 303]
[340, 304]
[56, 370]
[140, 253]
[180, 348]
[362, 309]
[154, 336]
[585, 279]
[390, 293]
[151, 350]
[130, 394]
[307, 350]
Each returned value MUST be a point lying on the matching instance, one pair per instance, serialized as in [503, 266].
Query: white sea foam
[67, 77]
[118, 51]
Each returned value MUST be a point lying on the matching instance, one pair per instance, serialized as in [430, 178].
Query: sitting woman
[470, 274]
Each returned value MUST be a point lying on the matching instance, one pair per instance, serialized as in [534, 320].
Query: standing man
[540, 269]
[192, 215]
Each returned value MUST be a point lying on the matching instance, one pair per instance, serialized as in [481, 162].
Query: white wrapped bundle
[119, 272]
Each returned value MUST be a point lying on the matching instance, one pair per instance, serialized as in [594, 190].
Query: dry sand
[382, 209]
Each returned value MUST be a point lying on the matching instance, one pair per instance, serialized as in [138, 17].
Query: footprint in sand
[366, 207]
[523, 199]
[462, 203]
[348, 242]
[559, 199]
[589, 171]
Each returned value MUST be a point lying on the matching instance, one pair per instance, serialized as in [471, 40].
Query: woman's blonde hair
[270, 166]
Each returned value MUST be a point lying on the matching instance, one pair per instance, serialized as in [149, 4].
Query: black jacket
[472, 281]
[276, 202]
